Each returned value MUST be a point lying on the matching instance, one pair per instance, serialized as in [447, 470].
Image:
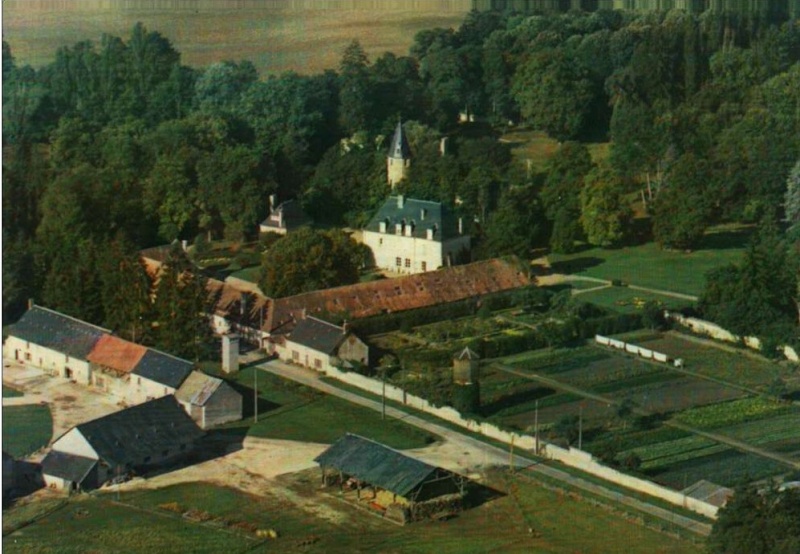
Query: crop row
[733, 412]
[765, 431]
[692, 446]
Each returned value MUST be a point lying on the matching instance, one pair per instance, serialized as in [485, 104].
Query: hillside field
[278, 35]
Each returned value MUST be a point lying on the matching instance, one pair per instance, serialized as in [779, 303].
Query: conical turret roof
[399, 148]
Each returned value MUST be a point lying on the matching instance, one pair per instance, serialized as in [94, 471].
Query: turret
[398, 159]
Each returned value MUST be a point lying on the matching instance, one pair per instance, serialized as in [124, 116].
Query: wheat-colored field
[306, 36]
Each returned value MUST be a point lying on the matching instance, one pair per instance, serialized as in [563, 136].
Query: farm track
[527, 465]
[734, 443]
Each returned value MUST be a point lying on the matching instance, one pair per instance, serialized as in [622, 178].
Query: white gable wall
[73, 442]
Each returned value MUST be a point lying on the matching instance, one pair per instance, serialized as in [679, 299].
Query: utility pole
[580, 427]
[383, 396]
[511, 455]
[536, 427]
[255, 394]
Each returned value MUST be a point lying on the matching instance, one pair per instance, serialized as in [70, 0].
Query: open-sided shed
[396, 481]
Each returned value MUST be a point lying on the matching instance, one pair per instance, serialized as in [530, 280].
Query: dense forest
[117, 146]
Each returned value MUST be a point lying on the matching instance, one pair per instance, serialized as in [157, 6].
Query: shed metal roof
[163, 368]
[376, 463]
[134, 434]
[317, 334]
[58, 332]
[67, 466]
[198, 388]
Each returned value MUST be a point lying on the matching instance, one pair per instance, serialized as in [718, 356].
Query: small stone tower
[465, 367]
[230, 353]
[398, 159]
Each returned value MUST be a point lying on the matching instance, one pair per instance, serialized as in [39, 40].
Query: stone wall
[571, 457]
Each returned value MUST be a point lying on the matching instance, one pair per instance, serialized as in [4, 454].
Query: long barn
[399, 486]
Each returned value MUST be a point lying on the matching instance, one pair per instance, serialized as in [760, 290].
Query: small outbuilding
[401, 487]
[321, 345]
[209, 400]
[133, 440]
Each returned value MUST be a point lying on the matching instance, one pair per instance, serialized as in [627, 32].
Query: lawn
[626, 300]
[292, 412]
[26, 429]
[538, 148]
[251, 274]
[649, 266]
[96, 524]
[9, 392]
[562, 523]
[307, 37]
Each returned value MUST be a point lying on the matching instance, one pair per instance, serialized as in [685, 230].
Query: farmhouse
[414, 236]
[57, 343]
[321, 345]
[208, 400]
[137, 439]
[284, 217]
[402, 487]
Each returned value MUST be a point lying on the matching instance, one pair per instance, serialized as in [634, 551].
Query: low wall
[571, 457]
[703, 327]
[642, 352]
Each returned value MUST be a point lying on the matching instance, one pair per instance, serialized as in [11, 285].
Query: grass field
[562, 524]
[9, 392]
[648, 265]
[537, 148]
[623, 299]
[26, 429]
[277, 35]
[293, 412]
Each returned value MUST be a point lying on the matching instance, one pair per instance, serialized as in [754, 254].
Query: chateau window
[424, 266]
[295, 355]
[408, 262]
[317, 363]
[398, 262]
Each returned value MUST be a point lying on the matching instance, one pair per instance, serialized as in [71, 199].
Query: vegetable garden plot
[727, 468]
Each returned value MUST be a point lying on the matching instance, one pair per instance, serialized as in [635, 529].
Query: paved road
[734, 443]
[489, 452]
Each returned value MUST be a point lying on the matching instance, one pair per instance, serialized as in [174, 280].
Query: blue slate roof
[317, 334]
[420, 214]
[130, 436]
[67, 466]
[376, 464]
[57, 331]
[399, 148]
[163, 368]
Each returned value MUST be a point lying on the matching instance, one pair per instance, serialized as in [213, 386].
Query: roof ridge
[387, 447]
[75, 319]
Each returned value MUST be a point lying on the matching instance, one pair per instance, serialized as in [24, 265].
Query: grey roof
[399, 148]
[131, 435]
[57, 331]
[376, 464]
[317, 334]
[420, 214]
[67, 466]
[198, 388]
[163, 368]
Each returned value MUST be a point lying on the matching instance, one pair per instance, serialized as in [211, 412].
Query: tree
[682, 210]
[567, 428]
[308, 260]
[565, 173]
[355, 96]
[604, 212]
[754, 522]
[516, 226]
[554, 93]
[180, 308]
[125, 290]
[792, 203]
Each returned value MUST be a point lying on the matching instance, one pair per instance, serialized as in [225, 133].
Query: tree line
[117, 145]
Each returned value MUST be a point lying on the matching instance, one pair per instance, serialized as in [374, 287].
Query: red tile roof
[394, 295]
[117, 354]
